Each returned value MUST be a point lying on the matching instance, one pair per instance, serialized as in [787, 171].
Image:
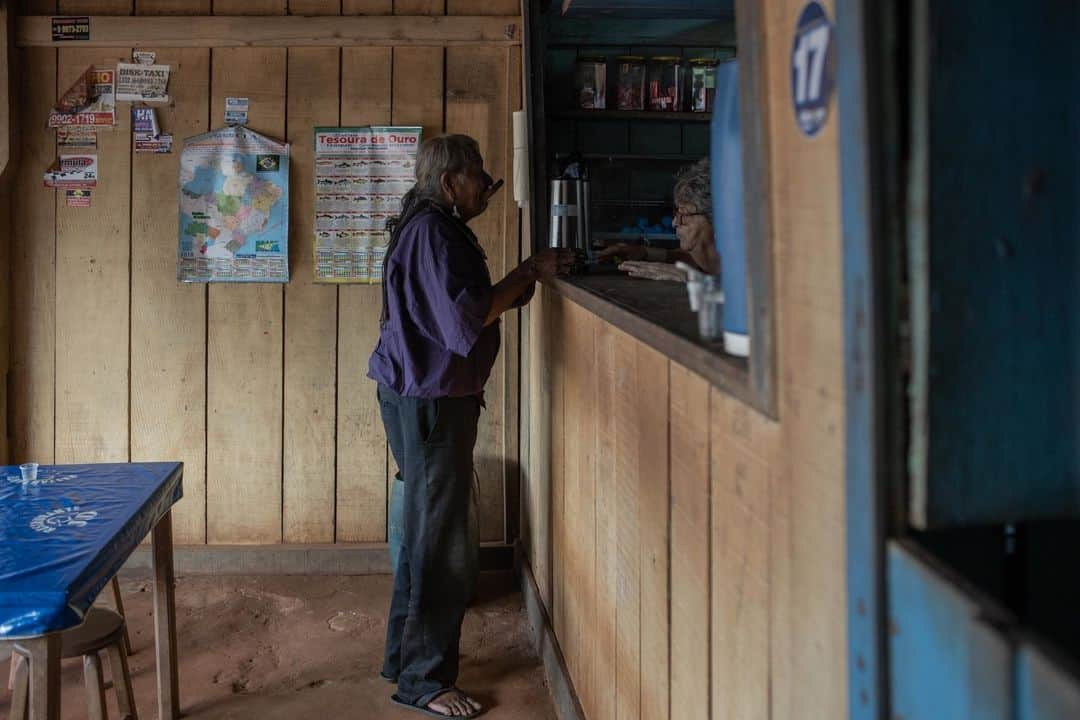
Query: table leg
[118, 603]
[168, 682]
[20, 687]
[44, 676]
[95, 687]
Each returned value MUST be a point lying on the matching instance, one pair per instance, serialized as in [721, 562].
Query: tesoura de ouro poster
[234, 208]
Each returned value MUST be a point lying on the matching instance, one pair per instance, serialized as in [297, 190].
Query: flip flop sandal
[431, 713]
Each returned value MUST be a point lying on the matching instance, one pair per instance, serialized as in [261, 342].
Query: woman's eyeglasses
[682, 215]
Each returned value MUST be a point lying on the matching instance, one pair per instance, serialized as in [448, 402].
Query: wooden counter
[657, 312]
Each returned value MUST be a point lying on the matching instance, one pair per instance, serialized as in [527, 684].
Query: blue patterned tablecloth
[64, 535]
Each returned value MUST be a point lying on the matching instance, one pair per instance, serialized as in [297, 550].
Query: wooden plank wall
[692, 551]
[260, 390]
[5, 310]
[8, 110]
[32, 377]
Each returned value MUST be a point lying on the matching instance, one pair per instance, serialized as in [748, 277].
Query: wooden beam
[7, 142]
[6, 105]
[278, 31]
[754, 109]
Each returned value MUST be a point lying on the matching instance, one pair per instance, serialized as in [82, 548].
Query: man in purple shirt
[438, 342]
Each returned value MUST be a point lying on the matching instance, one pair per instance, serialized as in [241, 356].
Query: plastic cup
[694, 289]
[29, 472]
[710, 316]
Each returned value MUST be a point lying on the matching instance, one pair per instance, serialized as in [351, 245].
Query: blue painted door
[994, 250]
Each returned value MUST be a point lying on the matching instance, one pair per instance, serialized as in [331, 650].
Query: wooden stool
[118, 605]
[101, 630]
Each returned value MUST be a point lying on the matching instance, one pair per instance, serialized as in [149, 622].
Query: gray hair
[452, 154]
[693, 188]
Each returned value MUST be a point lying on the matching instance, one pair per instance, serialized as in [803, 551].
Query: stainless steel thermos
[570, 213]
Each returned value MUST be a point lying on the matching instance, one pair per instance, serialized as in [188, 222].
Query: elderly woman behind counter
[438, 341]
[693, 226]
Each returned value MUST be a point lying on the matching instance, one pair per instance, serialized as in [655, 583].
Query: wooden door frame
[8, 157]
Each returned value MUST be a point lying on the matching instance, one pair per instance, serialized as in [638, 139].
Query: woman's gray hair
[443, 154]
[693, 188]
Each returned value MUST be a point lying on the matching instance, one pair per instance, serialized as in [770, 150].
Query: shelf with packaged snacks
[629, 157]
[624, 115]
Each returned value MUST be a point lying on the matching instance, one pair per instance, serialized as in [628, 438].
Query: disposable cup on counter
[695, 284]
[695, 289]
[710, 316]
[29, 472]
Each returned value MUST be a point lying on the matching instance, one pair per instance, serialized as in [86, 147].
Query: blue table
[62, 539]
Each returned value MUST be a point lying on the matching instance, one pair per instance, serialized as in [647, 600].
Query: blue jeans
[432, 441]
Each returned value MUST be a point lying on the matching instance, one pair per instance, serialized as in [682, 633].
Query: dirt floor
[310, 647]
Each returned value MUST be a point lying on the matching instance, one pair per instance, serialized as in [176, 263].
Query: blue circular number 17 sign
[813, 67]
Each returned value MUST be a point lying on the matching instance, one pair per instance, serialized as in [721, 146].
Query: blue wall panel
[945, 661]
[1043, 690]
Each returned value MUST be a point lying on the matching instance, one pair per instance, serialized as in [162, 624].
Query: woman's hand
[549, 262]
[653, 271]
[624, 251]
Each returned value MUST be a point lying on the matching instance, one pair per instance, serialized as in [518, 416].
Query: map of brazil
[234, 208]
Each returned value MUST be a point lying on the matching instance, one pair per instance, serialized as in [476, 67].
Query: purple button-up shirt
[438, 291]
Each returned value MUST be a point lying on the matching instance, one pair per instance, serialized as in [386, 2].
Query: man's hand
[653, 271]
[549, 262]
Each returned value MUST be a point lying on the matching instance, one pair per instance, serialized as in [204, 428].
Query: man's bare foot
[454, 703]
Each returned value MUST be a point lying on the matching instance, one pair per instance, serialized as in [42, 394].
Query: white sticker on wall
[236, 111]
